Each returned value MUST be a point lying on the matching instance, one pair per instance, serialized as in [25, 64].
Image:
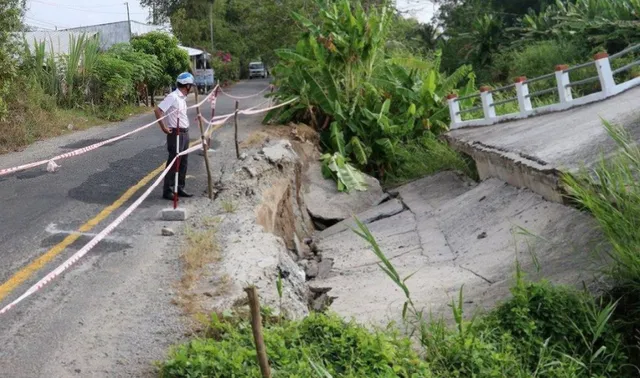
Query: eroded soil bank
[276, 216]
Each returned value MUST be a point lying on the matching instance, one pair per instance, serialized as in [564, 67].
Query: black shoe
[182, 193]
[168, 196]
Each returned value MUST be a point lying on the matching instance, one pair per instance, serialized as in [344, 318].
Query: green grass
[229, 206]
[424, 157]
[611, 193]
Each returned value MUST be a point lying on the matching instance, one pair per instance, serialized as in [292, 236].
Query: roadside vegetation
[44, 94]
[379, 108]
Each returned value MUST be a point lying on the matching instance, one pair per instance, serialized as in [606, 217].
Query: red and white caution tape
[52, 166]
[262, 110]
[218, 121]
[245, 97]
[212, 126]
[96, 239]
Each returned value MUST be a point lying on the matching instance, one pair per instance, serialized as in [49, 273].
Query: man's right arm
[161, 110]
[159, 114]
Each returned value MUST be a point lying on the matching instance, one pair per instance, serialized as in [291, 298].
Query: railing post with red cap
[562, 80]
[522, 90]
[607, 82]
[454, 110]
[487, 103]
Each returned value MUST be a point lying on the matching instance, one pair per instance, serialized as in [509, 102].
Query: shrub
[114, 81]
[226, 68]
[537, 59]
[567, 322]
[344, 349]
[11, 15]
[165, 47]
[147, 68]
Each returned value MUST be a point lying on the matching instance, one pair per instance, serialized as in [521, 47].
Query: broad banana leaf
[348, 176]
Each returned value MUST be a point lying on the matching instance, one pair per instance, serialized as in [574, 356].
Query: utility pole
[153, 16]
[211, 24]
[128, 21]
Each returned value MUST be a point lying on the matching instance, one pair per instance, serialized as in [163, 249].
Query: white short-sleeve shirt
[175, 100]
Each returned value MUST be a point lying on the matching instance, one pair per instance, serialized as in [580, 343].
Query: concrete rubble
[327, 205]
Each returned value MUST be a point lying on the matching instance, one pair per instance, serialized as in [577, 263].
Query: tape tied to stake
[244, 97]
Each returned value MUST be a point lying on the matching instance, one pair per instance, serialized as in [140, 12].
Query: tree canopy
[11, 16]
[165, 47]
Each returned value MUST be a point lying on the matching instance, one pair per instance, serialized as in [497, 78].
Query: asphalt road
[40, 209]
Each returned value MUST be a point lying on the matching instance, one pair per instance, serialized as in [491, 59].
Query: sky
[422, 10]
[62, 14]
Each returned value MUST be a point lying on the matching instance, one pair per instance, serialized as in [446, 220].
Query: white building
[56, 40]
[118, 32]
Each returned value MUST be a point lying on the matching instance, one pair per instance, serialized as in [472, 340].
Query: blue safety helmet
[185, 78]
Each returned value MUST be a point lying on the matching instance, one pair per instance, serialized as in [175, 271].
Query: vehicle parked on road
[257, 69]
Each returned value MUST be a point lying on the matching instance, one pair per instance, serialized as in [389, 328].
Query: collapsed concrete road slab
[456, 234]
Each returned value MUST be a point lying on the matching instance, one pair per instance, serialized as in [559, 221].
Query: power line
[39, 27]
[43, 22]
[87, 10]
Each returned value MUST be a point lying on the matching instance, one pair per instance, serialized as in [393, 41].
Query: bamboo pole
[235, 126]
[205, 150]
[256, 326]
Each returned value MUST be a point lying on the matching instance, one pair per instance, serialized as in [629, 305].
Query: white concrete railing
[608, 88]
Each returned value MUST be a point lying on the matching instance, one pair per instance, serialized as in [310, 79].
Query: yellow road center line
[26, 272]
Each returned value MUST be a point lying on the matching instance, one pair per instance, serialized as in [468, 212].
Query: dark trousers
[169, 179]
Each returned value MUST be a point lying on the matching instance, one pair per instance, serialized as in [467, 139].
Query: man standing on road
[175, 105]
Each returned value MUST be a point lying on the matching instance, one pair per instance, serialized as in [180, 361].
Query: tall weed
[611, 192]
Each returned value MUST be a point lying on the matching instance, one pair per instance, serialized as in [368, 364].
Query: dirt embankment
[260, 221]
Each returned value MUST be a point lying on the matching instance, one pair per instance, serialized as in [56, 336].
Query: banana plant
[365, 103]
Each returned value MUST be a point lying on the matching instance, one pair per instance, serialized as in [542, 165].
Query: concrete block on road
[174, 215]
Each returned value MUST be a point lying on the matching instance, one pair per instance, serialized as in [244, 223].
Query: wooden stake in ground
[256, 326]
[235, 121]
[205, 150]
